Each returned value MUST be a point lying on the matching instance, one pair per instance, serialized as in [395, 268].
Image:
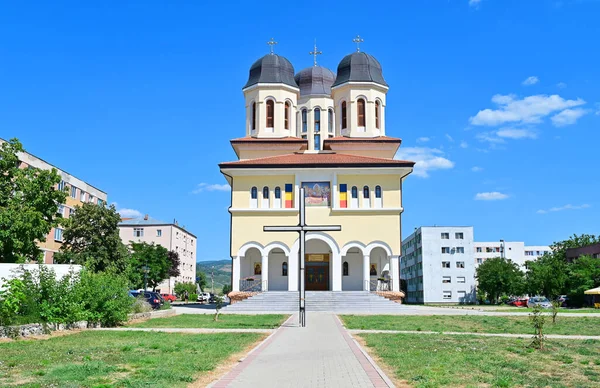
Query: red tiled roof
[378, 139]
[315, 160]
[289, 139]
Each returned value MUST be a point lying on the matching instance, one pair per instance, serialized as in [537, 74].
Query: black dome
[271, 69]
[359, 67]
[315, 80]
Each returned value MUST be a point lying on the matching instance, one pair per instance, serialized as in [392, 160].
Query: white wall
[277, 282]
[353, 282]
[9, 271]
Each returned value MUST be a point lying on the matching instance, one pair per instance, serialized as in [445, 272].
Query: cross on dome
[272, 43]
[315, 52]
[358, 40]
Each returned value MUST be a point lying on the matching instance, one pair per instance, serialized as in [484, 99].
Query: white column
[366, 272]
[235, 274]
[395, 273]
[265, 272]
[336, 268]
[292, 261]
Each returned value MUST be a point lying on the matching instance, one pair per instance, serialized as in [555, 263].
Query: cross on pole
[302, 228]
[315, 52]
[358, 40]
[272, 44]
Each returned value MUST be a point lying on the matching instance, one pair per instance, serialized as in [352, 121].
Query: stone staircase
[325, 301]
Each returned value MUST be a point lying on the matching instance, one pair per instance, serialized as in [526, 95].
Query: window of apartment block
[445, 236]
[82, 195]
[460, 279]
[447, 294]
[446, 279]
[479, 249]
[90, 198]
[479, 260]
[58, 234]
[71, 212]
[462, 296]
[445, 249]
[459, 236]
[489, 249]
[61, 210]
[73, 192]
[460, 264]
[61, 186]
[100, 202]
[158, 232]
[445, 264]
[460, 250]
[138, 232]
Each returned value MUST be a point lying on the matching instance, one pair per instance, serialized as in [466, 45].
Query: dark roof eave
[317, 165]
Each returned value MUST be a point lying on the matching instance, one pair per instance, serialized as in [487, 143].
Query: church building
[325, 132]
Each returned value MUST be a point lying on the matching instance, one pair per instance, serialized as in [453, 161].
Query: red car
[169, 297]
[518, 302]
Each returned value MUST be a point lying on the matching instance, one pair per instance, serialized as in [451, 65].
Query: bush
[226, 289]
[140, 306]
[194, 297]
[105, 297]
[180, 288]
[166, 306]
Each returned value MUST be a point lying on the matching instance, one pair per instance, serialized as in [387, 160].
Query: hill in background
[221, 272]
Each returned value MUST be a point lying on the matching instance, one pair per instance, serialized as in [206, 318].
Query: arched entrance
[318, 266]
[278, 270]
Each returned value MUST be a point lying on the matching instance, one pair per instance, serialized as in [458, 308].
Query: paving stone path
[323, 354]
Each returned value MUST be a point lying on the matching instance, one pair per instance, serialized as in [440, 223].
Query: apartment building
[516, 251]
[437, 265]
[169, 235]
[78, 193]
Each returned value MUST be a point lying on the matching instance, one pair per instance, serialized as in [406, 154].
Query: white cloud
[476, 169]
[489, 137]
[474, 3]
[423, 140]
[515, 133]
[566, 207]
[530, 109]
[463, 144]
[531, 80]
[490, 196]
[210, 187]
[561, 85]
[568, 117]
[427, 159]
[450, 139]
[130, 213]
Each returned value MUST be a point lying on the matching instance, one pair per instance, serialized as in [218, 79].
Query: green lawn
[505, 309]
[226, 321]
[440, 361]
[103, 359]
[472, 324]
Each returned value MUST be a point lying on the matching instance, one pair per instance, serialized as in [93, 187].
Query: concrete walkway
[323, 354]
[551, 336]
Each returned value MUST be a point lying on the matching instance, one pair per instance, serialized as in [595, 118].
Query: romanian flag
[343, 195]
[289, 196]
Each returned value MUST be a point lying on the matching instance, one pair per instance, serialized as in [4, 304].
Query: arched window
[317, 142]
[354, 192]
[317, 113]
[277, 202]
[377, 191]
[366, 197]
[344, 118]
[287, 114]
[366, 192]
[354, 197]
[284, 269]
[378, 201]
[345, 269]
[377, 113]
[330, 121]
[254, 116]
[270, 113]
[304, 120]
[253, 198]
[360, 111]
[265, 198]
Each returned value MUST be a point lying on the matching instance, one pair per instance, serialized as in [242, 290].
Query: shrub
[166, 306]
[537, 322]
[180, 288]
[140, 306]
[194, 297]
[105, 297]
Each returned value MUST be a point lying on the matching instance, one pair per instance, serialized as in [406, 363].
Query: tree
[226, 289]
[91, 238]
[546, 276]
[559, 249]
[498, 276]
[201, 279]
[583, 274]
[29, 203]
[180, 288]
[155, 257]
[174, 262]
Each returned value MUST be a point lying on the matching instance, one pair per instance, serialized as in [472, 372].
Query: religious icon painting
[317, 193]
[257, 269]
[373, 271]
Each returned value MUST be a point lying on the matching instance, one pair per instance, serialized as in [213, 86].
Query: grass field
[440, 361]
[472, 324]
[103, 359]
[512, 309]
[231, 321]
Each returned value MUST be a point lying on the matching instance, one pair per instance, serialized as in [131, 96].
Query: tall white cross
[302, 228]
[272, 43]
[358, 40]
[315, 52]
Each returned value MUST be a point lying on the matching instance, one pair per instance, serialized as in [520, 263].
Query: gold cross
[272, 43]
[358, 40]
[314, 53]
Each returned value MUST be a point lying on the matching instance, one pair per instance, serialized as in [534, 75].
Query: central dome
[359, 67]
[271, 69]
[315, 80]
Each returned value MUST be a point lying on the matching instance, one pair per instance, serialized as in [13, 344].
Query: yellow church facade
[324, 132]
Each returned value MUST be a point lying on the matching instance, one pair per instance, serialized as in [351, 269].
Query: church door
[317, 272]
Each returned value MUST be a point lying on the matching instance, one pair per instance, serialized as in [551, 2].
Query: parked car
[541, 301]
[518, 302]
[153, 298]
[564, 300]
[203, 297]
[169, 297]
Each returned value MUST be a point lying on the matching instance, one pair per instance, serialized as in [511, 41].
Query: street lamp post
[212, 278]
[502, 249]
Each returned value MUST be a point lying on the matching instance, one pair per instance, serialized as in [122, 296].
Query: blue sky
[497, 101]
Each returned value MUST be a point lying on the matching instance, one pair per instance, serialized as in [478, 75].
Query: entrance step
[326, 301]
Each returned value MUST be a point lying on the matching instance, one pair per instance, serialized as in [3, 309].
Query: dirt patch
[384, 367]
[53, 334]
[225, 366]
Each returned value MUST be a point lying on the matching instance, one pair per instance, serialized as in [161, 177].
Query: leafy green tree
[546, 276]
[174, 263]
[226, 289]
[498, 276]
[584, 273]
[155, 257]
[180, 288]
[29, 203]
[559, 249]
[201, 279]
[91, 238]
